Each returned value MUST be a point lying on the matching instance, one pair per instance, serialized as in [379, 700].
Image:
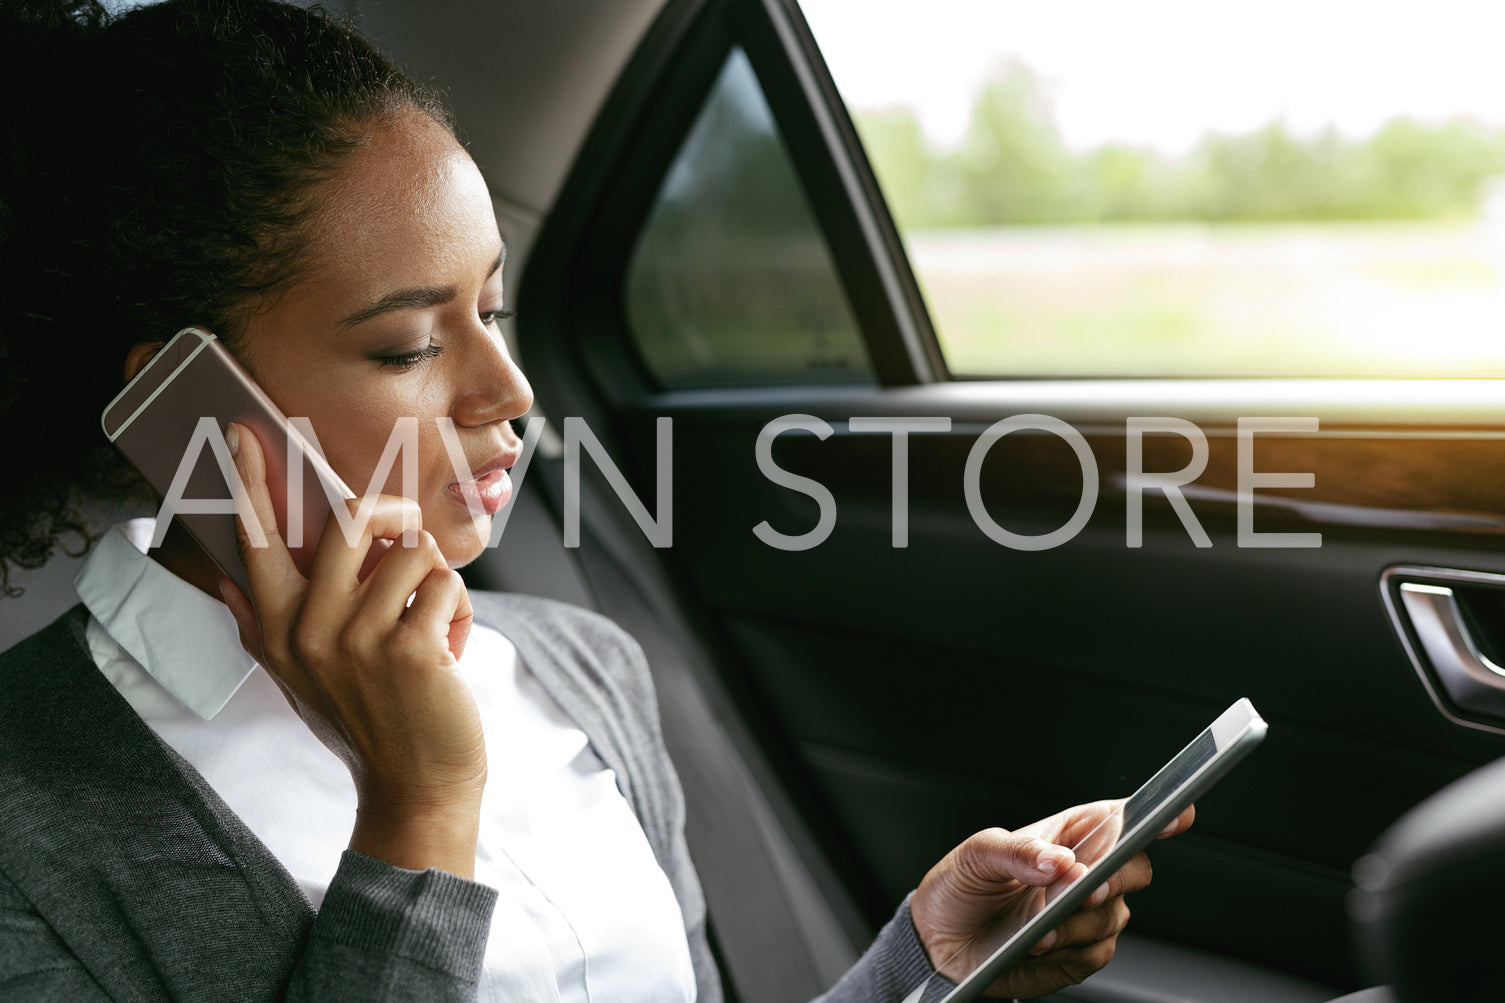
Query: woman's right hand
[373, 676]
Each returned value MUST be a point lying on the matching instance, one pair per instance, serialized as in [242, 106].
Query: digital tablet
[1127, 830]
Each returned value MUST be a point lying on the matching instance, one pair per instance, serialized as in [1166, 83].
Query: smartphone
[164, 421]
[1127, 830]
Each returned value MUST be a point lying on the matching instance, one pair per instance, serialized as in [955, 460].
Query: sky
[1163, 72]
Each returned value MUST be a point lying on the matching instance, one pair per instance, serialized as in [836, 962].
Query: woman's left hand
[995, 869]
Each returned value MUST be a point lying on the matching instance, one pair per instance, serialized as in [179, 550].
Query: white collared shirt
[584, 911]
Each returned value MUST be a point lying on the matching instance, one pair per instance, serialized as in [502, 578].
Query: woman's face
[397, 318]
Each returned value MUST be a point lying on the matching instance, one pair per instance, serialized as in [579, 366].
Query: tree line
[1013, 167]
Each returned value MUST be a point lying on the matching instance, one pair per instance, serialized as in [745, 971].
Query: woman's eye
[408, 360]
[489, 317]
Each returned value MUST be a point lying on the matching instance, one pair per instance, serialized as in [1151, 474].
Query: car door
[937, 604]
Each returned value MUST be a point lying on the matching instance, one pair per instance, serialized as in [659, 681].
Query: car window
[1082, 191]
[731, 281]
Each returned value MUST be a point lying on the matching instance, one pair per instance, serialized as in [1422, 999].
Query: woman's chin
[465, 542]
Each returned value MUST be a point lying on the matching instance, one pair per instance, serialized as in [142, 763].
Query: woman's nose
[494, 388]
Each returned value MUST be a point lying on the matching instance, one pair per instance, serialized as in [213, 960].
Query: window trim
[780, 349]
[845, 194]
[573, 287]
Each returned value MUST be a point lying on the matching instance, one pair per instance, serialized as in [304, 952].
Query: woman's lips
[490, 491]
[489, 487]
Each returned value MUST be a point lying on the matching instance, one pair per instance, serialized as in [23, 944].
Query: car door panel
[957, 683]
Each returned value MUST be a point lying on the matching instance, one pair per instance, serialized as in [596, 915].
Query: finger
[276, 585]
[397, 576]
[244, 613]
[995, 856]
[1071, 826]
[442, 607]
[250, 632]
[262, 551]
[1131, 877]
[1076, 963]
[1065, 965]
[1084, 928]
[339, 557]
[248, 624]
[1180, 823]
[327, 629]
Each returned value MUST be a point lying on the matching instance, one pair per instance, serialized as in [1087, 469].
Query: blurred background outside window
[1175, 187]
[730, 282]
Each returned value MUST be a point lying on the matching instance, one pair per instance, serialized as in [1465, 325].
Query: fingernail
[1100, 894]
[1046, 943]
[1049, 861]
[232, 438]
[1170, 829]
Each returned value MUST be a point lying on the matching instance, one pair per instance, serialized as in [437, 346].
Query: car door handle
[1472, 680]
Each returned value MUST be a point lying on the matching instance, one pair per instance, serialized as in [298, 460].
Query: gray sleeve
[891, 969]
[392, 934]
[383, 933]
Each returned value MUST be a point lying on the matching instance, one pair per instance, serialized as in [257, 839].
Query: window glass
[1165, 187]
[731, 282]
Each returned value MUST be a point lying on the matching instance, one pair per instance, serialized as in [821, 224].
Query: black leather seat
[1428, 908]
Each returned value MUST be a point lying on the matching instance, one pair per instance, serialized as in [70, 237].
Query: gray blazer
[124, 876]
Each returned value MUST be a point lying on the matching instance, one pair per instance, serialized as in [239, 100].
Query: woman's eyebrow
[403, 299]
[413, 299]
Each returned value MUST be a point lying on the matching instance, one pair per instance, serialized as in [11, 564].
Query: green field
[1303, 299]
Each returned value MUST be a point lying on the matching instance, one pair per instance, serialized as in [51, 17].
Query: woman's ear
[139, 355]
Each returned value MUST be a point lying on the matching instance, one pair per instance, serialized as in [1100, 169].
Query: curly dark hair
[159, 171]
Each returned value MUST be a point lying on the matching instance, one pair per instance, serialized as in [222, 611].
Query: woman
[426, 793]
